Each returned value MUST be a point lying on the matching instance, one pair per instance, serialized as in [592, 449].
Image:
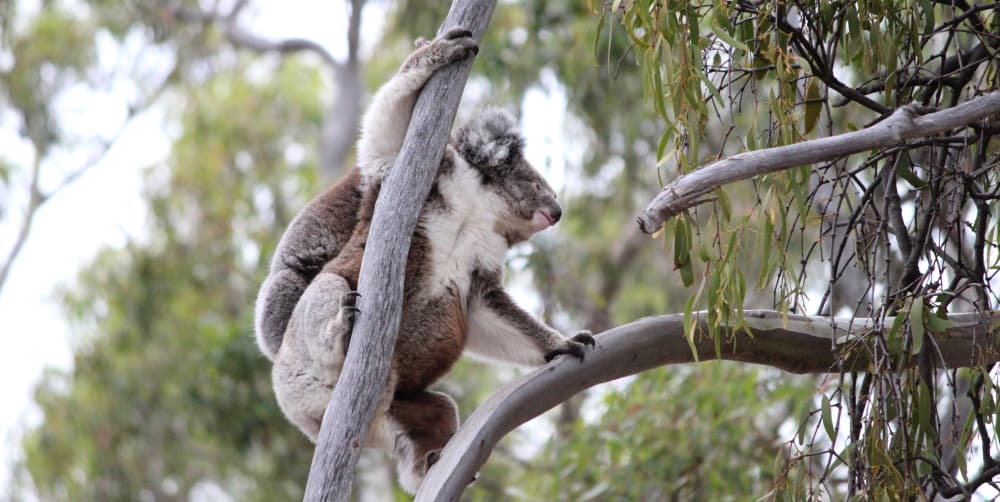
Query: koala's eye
[537, 186]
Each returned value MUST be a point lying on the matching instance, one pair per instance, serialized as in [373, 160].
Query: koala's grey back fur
[314, 237]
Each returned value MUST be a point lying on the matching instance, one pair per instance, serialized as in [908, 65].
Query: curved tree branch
[794, 343]
[366, 368]
[243, 38]
[691, 189]
[340, 123]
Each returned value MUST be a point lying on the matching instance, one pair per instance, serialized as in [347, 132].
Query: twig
[243, 38]
[906, 122]
[37, 198]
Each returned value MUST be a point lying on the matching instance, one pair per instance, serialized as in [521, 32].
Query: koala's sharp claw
[433, 457]
[470, 46]
[350, 299]
[575, 346]
[456, 32]
[585, 337]
[350, 314]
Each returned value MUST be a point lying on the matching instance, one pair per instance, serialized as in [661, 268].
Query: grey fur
[491, 139]
[485, 198]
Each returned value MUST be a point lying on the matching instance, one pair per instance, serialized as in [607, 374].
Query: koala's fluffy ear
[490, 139]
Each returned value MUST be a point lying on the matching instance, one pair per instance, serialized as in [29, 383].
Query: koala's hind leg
[324, 318]
[422, 423]
[384, 125]
[275, 303]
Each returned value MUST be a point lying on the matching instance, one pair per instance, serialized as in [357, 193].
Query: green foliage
[54, 47]
[168, 392]
[169, 396]
[709, 431]
[857, 236]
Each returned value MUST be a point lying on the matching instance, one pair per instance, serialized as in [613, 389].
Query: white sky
[104, 207]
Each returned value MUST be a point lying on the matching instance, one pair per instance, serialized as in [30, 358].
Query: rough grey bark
[366, 368]
[794, 343]
[691, 189]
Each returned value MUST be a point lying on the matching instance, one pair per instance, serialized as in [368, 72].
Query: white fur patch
[464, 237]
[493, 337]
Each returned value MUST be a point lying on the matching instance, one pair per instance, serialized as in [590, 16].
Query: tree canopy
[168, 398]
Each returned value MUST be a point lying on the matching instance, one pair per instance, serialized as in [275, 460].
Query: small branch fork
[905, 123]
[343, 115]
[240, 37]
[37, 197]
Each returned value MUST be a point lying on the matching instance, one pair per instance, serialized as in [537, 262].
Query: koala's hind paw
[574, 346]
[348, 313]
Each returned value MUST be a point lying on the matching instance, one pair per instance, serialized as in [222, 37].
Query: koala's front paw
[453, 45]
[574, 346]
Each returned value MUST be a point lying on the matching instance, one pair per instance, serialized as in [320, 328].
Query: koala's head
[493, 146]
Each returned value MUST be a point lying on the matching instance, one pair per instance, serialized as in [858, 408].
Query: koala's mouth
[542, 219]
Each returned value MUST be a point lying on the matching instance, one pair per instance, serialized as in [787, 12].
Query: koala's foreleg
[421, 424]
[500, 329]
[384, 124]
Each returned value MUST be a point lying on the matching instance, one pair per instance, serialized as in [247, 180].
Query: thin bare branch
[38, 198]
[799, 344]
[691, 189]
[35, 201]
[354, 32]
[243, 38]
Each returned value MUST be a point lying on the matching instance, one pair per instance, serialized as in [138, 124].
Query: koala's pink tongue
[540, 221]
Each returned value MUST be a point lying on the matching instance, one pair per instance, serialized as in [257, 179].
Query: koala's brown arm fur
[500, 329]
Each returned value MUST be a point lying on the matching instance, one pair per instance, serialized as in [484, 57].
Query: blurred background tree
[168, 398]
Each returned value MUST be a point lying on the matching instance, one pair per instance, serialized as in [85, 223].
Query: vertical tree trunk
[363, 378]
[341, 123]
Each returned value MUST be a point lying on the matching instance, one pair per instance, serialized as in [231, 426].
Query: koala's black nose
[556, 213]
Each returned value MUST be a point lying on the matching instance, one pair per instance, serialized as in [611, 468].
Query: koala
[485, 198]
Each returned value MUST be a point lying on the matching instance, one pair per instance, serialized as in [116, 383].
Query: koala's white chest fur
[463, 235]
